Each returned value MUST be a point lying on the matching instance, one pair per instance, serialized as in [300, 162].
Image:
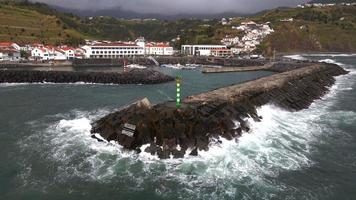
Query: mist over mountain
[118, 12]
[167, 9]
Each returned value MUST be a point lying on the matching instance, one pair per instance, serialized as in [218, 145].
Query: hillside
[331, 29]
[313, 29]
[27, 25]
[24, 21]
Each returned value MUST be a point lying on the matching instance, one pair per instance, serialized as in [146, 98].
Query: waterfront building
[112, 50]
[44, 53]
[221, 52]
[200, 50]
[10, 45]
[9, 54]
[68, 52]
[161, 49]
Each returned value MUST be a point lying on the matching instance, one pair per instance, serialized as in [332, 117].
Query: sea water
[47, 152]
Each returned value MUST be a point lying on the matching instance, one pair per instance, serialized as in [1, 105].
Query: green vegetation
[328, 29]
[28, 25]
[313, 29]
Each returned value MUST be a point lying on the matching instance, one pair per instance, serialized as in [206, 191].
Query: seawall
[170, 60]
[203, 118]
[134, 76]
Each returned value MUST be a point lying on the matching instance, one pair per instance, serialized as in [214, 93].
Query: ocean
[47, 152]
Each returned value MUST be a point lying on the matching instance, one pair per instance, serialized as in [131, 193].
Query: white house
[113, 50]
[47, 53]
[68, 52]
[10, 45]
[200, 50]
[7, 54]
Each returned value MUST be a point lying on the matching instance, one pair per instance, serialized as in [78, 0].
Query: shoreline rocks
[134, 76]
[168, 132]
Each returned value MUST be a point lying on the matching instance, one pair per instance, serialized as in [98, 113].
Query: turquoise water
[47, 152]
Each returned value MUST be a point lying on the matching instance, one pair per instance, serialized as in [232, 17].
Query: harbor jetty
[146, 61]
[133, 76]
[167, 132]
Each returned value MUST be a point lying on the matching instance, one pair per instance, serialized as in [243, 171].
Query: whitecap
[295, 57]
[331, 61]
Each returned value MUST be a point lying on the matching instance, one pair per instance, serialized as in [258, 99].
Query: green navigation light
[178, 84]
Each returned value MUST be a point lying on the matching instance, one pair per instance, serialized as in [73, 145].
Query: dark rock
[194, 152]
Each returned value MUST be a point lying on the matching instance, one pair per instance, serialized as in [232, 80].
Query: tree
[24, 54]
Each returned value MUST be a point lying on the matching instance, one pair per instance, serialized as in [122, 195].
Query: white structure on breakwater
[113, 50]
[200, 50]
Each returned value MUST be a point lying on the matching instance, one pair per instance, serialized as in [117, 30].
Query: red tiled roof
[6, 44]
[8, 50]
[67, 48]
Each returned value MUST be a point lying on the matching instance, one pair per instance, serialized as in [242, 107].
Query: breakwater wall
[134, 76]
[170, 60]
[166, 132]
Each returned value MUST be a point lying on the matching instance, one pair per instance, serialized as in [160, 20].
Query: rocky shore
[134, 76]
[167, 132]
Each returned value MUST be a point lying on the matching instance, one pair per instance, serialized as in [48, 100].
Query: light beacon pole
[178, 84]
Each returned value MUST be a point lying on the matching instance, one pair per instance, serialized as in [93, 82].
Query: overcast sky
[177, 6]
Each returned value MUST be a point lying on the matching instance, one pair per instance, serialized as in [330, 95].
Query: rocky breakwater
[203, 119]
[134, 76]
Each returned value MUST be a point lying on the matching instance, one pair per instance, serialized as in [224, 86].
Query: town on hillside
[242, 45]
[94, 49]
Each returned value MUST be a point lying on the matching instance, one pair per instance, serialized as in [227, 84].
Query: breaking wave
[295, 57]
[282, 142]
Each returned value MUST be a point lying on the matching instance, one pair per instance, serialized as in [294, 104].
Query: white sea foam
[295, 57]
[283, 141]
[330, 55]
[331, 61]
[52, 83]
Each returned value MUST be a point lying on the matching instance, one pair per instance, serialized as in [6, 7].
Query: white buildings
[7, 54]
[229, 41]
[221, 52]
[200, 50]
[154, 48]
[9, 51]
[254, 34]
[69, 52]
[43, 53]
[10, 45]
[161, 49]
[112, 50]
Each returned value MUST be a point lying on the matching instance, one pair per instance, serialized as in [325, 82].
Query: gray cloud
[176, 6]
